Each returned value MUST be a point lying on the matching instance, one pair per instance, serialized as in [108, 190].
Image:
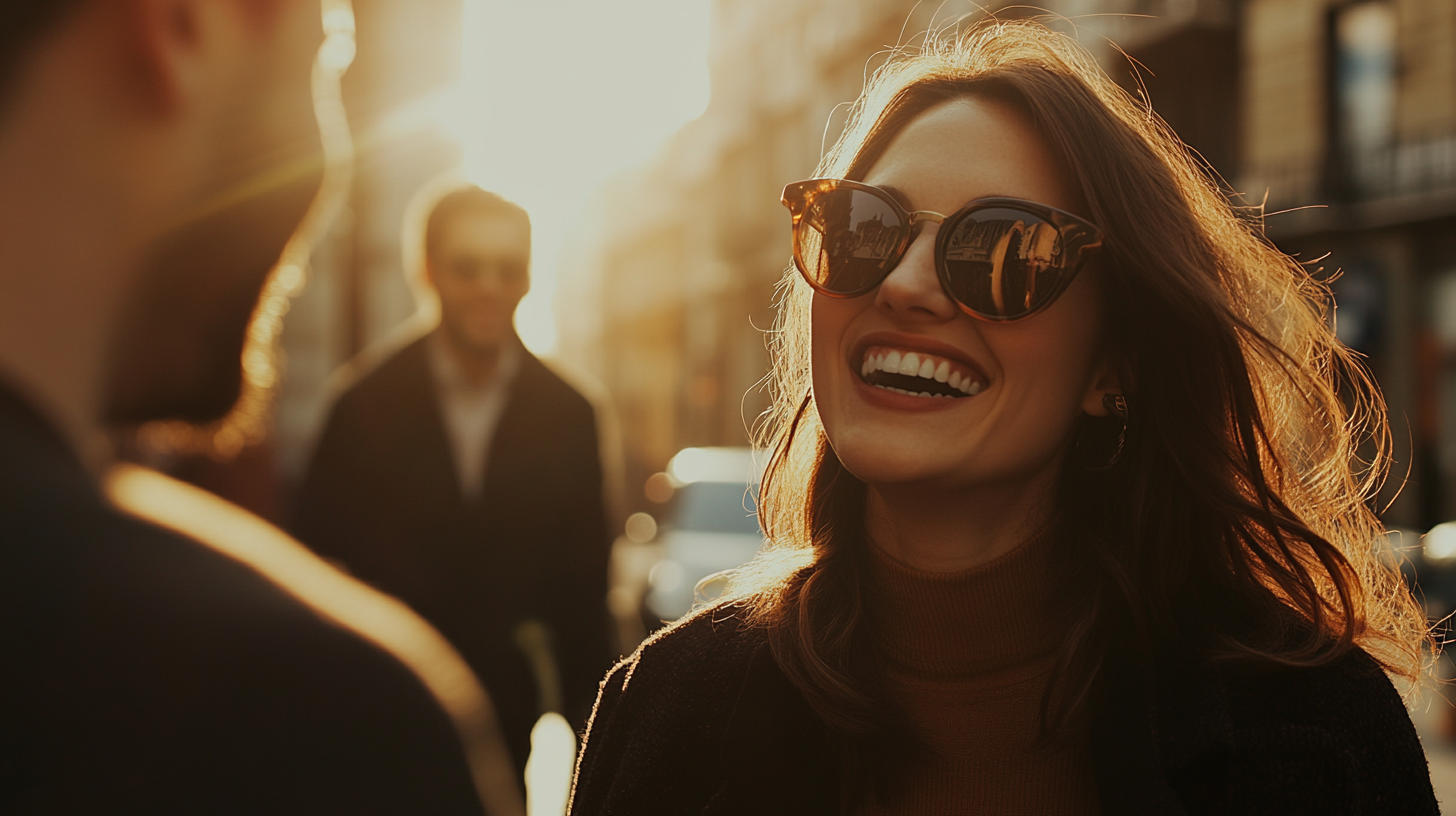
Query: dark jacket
[145, 673]
[701, 721]
[382, 496]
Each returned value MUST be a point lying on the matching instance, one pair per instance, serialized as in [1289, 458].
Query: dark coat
[145, 673]
[701, 721]
[382, 496]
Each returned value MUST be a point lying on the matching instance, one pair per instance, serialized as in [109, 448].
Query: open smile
[918, 374]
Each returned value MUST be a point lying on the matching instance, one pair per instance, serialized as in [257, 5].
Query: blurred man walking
[464, 476]
[155, 156]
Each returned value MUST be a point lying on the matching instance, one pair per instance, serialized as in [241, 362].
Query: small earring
[1116, 405]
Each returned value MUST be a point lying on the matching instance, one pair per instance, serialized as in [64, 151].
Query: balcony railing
[1406, 170]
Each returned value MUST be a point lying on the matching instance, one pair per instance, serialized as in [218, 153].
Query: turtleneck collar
[989, 618]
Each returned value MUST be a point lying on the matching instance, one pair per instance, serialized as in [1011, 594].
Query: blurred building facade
[668, 297]
[1345, 106]
[1349, 122]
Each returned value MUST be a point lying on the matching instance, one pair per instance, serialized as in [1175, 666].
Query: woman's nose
[912, 290]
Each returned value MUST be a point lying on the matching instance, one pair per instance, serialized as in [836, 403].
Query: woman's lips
[918, 373]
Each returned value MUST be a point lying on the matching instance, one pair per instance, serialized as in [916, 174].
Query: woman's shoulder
[709, 650]
[1349, 696]
[657, 733]
[1342, 723]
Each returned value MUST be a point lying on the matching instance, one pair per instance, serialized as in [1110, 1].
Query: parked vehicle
[711, 526]
[1431, 568]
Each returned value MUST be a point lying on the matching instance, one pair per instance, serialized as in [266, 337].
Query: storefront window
[1364, 45]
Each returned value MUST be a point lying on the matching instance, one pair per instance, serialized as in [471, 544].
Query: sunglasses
[1000, 259]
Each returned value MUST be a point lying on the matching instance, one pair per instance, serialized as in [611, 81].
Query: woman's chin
[896, 465]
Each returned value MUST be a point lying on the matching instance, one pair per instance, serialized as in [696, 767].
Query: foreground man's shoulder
[158, 670]
[371, 681]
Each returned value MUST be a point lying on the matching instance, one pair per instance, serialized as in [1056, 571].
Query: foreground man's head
[169, 652]
[157, 155]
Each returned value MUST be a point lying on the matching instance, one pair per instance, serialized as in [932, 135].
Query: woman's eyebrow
[900, 196]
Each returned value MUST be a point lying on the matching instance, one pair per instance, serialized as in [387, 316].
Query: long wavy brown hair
[1238, 518]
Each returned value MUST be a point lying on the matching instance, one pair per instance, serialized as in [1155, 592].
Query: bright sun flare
[556, 96]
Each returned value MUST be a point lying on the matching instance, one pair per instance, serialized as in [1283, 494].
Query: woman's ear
[1104, 381]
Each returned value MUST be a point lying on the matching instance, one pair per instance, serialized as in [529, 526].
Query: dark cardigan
[701, 721]
[382, 497]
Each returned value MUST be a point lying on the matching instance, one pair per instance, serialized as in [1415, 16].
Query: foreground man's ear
[174, 44]
[163, 40]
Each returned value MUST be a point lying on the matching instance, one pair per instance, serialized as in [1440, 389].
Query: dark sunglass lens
[847, 240]
[1004, 262]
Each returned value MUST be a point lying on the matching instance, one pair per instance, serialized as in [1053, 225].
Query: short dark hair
[468, 199]
[22, 24]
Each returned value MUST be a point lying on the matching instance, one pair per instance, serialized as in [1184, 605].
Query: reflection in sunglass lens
[1004, 262]
[847, 239]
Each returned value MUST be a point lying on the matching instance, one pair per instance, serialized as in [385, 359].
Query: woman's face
[1031, 379]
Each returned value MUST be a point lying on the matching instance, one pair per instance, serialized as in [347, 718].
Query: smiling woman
[1065, 510]
[994, 448]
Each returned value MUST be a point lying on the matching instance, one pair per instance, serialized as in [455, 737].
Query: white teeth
[971, 387]
[912, 364]
[908, 393]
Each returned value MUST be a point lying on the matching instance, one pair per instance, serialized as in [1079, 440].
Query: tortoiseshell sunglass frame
[1081, 237]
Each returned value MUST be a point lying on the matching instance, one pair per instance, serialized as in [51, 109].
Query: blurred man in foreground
[464, 476]
[155, 156]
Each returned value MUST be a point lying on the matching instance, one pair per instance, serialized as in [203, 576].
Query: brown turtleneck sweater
[968, 655]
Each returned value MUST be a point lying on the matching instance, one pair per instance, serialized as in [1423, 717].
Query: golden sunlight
[557, 96]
